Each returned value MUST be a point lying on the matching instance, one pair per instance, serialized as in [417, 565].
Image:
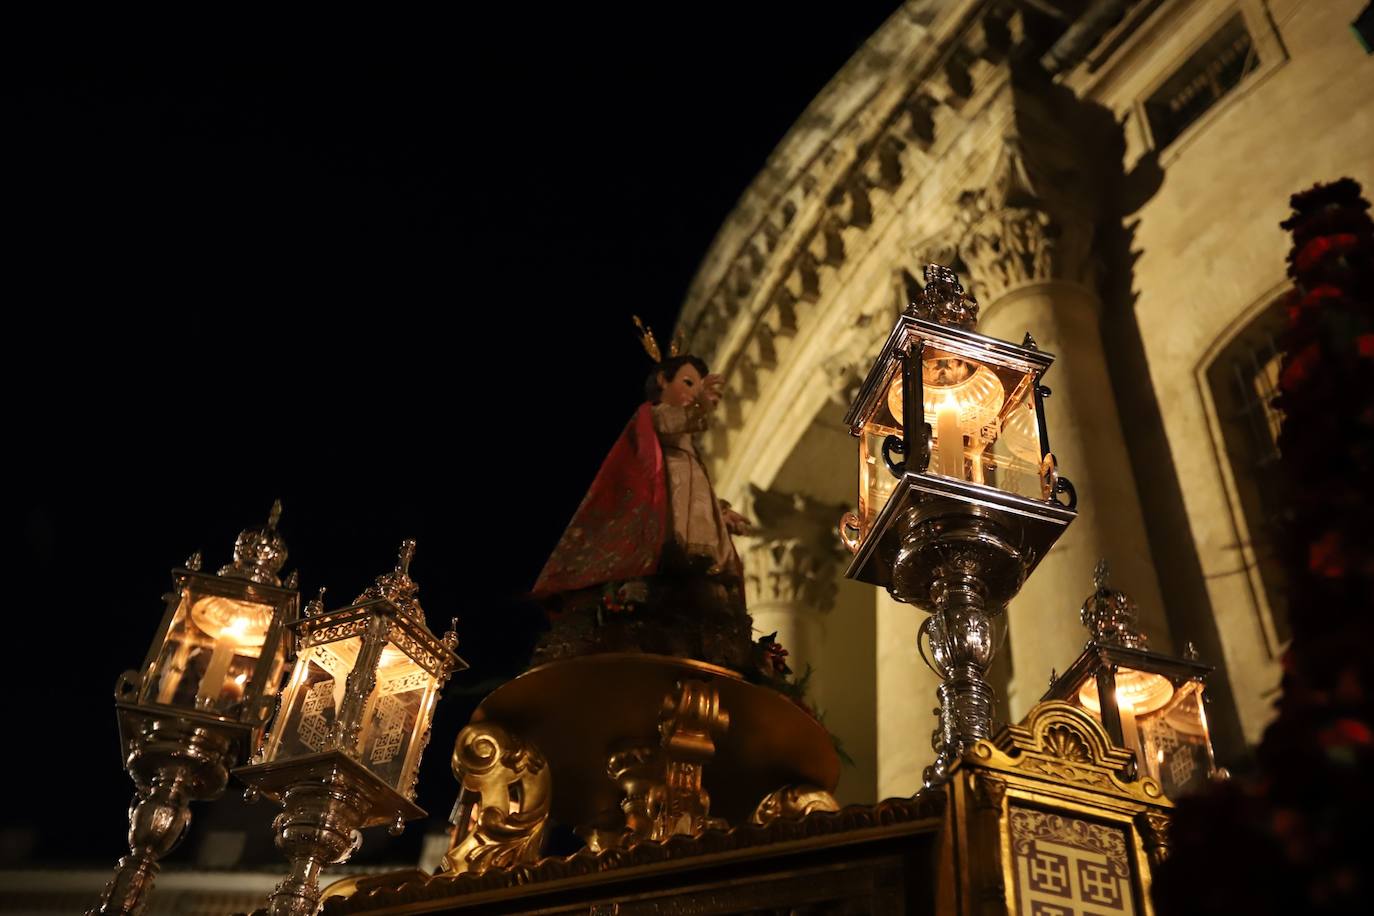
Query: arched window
[1243, 379]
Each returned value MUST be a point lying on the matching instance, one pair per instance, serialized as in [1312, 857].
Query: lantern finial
[397, 586]
[259, 553]
[1110, 615]
[1101, 573]
[943, 300]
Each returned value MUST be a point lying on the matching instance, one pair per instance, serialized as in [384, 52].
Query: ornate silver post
[318, 826]
[958, 562]
[958, 538]
[179, 744]
[173, 762]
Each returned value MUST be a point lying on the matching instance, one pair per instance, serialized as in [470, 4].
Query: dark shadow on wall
[1187, 607]
[1084, 150]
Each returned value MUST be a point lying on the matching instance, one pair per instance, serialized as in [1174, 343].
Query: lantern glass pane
[1176, 745]
[396, 716]
[310, 706]
[209, 654]
[984, 429]
[876, 482]
[1011, 461]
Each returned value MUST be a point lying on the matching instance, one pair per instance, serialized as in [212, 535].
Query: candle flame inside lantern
[239, 628]
[959, 398]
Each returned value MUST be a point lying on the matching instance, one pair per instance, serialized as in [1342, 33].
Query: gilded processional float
[653, 722]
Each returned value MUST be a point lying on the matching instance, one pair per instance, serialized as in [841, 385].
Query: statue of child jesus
[651, 511]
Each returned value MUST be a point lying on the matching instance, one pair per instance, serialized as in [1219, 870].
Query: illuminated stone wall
[1136, 265]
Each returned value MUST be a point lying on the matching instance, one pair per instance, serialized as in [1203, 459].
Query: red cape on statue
[619, 530]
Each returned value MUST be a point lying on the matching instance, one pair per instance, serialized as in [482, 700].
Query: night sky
[386, 277]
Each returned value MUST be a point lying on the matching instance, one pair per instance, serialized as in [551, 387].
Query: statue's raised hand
[711, 388]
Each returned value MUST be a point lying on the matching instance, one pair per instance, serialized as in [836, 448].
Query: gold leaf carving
[1066, 745]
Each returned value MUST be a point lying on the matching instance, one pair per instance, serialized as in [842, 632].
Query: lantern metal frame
[1117, 646]
[329, 795]
[178, 754]
[957, 549]
[1041, 522]
[1103, 662]
[133, 707]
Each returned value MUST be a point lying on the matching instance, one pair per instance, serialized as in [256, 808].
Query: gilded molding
[693, 718]
[989, 793]
[408, 887]
[504, 801]
[792, 802]
[1154, 830]
[1060, 743]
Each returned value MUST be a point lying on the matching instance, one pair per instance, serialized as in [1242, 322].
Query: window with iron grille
[1213, 70]
[1244, 381]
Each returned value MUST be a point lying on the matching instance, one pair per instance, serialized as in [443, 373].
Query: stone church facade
[1108, 176]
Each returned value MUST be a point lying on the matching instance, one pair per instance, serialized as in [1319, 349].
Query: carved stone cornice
[844, 370]
[793, 554]
[833, 186]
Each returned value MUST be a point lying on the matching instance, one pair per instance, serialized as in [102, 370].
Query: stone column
[906, 699]
[1028, 255]
[791, 563]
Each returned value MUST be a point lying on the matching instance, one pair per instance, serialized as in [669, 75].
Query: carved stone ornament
[843, 371]
[503, 803]
[792, 556]
[1011, 234]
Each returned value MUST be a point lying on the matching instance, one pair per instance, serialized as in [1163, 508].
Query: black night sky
[384, 274]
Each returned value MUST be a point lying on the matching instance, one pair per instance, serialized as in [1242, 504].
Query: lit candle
[951, 441]
[233, 691]
[1130, 732]
[212, 683]
[975, 462]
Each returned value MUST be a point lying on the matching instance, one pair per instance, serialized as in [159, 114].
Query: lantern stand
[343, 752]
[200, 702]
[1150, 703]
[972, 506]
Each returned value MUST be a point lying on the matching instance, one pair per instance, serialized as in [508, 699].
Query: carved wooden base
[662, 787]
[503, 802]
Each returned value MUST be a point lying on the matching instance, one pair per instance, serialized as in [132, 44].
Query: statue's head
[676, 380]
